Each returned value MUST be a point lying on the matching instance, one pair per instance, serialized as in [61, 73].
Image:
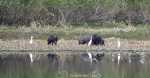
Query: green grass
[140, 32]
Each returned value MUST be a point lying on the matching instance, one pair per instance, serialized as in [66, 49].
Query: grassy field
[18, 37]
[110, 43]
[140, 32]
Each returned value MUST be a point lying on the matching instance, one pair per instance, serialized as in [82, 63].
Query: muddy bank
[110, 43]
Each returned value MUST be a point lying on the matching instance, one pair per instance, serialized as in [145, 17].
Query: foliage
[68, 11]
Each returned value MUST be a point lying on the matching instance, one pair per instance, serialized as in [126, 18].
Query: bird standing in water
[30, 54]
[31, 57]
[31, 40]
[90, 42]
[119, 58]
[118, 43]
[118, 46]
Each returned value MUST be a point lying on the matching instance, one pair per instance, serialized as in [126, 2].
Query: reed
[140, 32]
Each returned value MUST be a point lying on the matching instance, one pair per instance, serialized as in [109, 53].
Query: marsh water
[74, 65]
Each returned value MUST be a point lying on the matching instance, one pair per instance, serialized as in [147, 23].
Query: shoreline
[73, 45]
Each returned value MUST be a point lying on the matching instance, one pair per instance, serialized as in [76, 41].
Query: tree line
[73, 12]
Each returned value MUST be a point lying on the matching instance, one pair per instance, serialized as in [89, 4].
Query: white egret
[31, 40]
[90, 42]
[31, 57]
[118, 43]
[119, 58]
[30, 54]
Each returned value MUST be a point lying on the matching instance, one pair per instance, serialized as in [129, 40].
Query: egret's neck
[31, 38]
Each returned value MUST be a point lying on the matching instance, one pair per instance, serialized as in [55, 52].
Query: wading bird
[118, 43]
[90, 42]
[31, 40]
[31, 57]
[52, 39]
[118, 46]
[119, 58]
[30, 54]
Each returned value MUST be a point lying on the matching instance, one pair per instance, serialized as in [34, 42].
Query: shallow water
[71, 65]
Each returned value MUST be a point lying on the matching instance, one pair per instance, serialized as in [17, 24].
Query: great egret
[31, 40]
[31, 57]
[90, 42]
[118, 43]
[119, 58]
[30, 54]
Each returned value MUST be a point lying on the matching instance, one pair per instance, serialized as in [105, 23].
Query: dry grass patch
[71, 45]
